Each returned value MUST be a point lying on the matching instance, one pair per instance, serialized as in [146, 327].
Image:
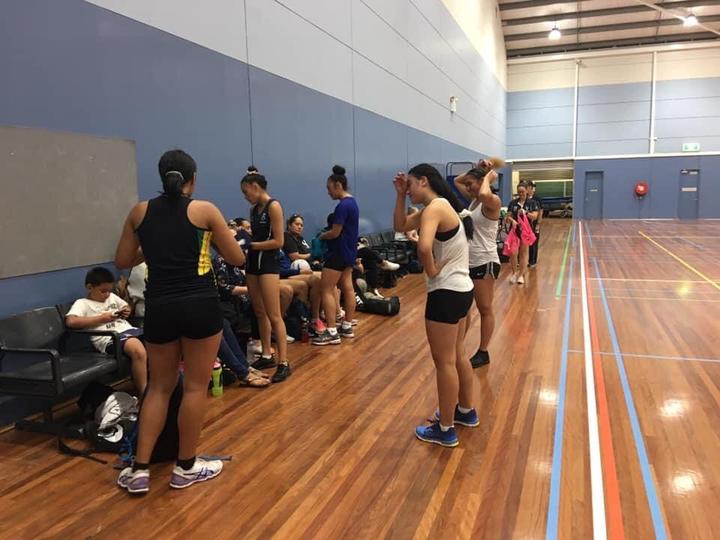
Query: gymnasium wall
[290, 85]
[614, 115]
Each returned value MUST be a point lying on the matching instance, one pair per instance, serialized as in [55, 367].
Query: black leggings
[371, 259]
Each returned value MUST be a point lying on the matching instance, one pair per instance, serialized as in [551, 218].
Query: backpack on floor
[380, 306]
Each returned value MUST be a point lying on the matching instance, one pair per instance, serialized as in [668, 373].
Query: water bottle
[304, 331]
[217, 385]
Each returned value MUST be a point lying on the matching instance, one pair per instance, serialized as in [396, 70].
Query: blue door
[689, 194]
[593, 195]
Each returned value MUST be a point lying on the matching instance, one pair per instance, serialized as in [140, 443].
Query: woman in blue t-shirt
[342, 241]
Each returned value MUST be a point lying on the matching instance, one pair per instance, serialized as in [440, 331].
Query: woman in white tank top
[443, 251]
[476, 185]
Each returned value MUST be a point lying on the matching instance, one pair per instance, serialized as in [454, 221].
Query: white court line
[596, 475]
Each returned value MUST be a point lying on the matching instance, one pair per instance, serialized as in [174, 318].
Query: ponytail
[176, 169]
[442, 189]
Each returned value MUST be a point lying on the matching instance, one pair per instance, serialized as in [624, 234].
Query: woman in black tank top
[183, 320]
[263, 271]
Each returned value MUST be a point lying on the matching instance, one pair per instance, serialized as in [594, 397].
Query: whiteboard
[63, 200]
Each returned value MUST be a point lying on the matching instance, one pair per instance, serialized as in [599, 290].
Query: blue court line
[650, 492]
[656, 356]
[589, 236]
[551, 532]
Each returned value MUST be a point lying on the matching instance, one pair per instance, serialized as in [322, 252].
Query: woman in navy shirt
[342, 241]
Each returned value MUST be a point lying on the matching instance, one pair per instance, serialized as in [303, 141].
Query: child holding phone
[104, 310]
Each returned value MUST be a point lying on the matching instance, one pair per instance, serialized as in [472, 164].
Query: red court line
[610, 478]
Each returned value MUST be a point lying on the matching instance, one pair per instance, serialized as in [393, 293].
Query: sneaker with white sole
[389, 265]
[521, 280]
[513, 278]
[137, 483]
[326, 338]
[201, 471]
[344, 332]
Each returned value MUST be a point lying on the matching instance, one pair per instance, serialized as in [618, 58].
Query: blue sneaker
[433, 434]
[464, 419]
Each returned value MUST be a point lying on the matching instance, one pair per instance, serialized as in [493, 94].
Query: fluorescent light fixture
[690, 20]
[555, 33]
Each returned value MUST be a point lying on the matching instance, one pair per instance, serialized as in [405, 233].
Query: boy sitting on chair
[104, 310]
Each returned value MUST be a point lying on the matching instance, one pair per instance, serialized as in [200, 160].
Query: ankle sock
[444, 428]
[137, 466]
[346, 325]
[186, 464]
[333, 331]
[463, 410]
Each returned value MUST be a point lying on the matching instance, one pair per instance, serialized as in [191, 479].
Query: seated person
[136, 289]
[295, 246]
[104, 310]
[370, 262]
[306, 287]
[232, 356]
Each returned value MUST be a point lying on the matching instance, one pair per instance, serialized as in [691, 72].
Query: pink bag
[527, 235]
[512, 243]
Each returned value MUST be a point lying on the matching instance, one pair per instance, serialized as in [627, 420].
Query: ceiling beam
[532, 3]
[639, 8]
[609, 44]
[609, 28]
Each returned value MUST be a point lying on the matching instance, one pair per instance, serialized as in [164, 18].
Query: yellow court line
[681, 261]
[656, 280]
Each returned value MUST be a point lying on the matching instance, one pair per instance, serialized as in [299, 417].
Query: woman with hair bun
[342, 239]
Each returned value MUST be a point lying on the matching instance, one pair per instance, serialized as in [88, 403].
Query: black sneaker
[326, 338]
[345, 332]
[264, 362]
[480, 359]
[282, 372]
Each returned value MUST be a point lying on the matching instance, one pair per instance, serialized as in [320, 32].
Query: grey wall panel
[688, 108]
[612, 148]
[533, 99]
[81, 187]
[688, 88]
[614, 93]
[548, 116]
[539, 135]
[674, 144]
[613, 131]
[540, 150]
[614, 112]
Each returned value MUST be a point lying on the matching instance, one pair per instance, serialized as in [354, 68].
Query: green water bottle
[217, 384]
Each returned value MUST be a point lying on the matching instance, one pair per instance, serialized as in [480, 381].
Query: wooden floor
[331, 453]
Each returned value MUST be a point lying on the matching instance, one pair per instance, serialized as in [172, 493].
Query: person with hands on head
[445, 228]
[476, 186]
[173, 233]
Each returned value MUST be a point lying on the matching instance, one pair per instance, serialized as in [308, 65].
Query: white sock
[332, 330]
[464, 410]
[346, 325]
[444, 428]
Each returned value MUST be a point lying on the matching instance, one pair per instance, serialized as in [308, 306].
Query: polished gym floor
[600, 417]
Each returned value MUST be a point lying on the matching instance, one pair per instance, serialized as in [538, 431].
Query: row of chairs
[40, 358]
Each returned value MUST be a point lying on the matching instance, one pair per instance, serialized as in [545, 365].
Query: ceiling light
[555, 33]
[690, 20]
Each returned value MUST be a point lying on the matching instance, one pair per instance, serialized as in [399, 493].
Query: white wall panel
[281, 42]
[616, 70]
[333, 16]
[216, 24]
[541, 76]
[375, 39]
[691, 64]
[395, 13]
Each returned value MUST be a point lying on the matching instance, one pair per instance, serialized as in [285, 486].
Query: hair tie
[465, 213]
[176, 172]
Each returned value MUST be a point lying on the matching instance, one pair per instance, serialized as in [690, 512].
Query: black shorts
[447, 306]
[336, 262]
[484, 270]
[124, 337]
[193, 318]
[262, 262]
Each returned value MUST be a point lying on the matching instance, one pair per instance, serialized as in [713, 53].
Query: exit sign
[691, 147]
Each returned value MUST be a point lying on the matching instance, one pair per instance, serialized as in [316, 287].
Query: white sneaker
[202, 470]
[513, 278]
[137, 482]
[389, 265]
[377, 293]
[289, 339]
[521, 280]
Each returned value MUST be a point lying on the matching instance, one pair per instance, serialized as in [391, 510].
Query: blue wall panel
[536, 99]
[687, 88]
[613, 93]
[663, 176]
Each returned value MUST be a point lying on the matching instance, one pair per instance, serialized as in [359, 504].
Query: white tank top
[455, 274]
[483, 246]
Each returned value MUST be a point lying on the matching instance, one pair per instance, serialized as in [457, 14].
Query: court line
[596, 473]
[609, 465]
[558, 289]
[656, 357]
[589, 236]
[628, 237]
[674, 299]
[551, 532]
[681, 261]
[653, 280]
[650, 491]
